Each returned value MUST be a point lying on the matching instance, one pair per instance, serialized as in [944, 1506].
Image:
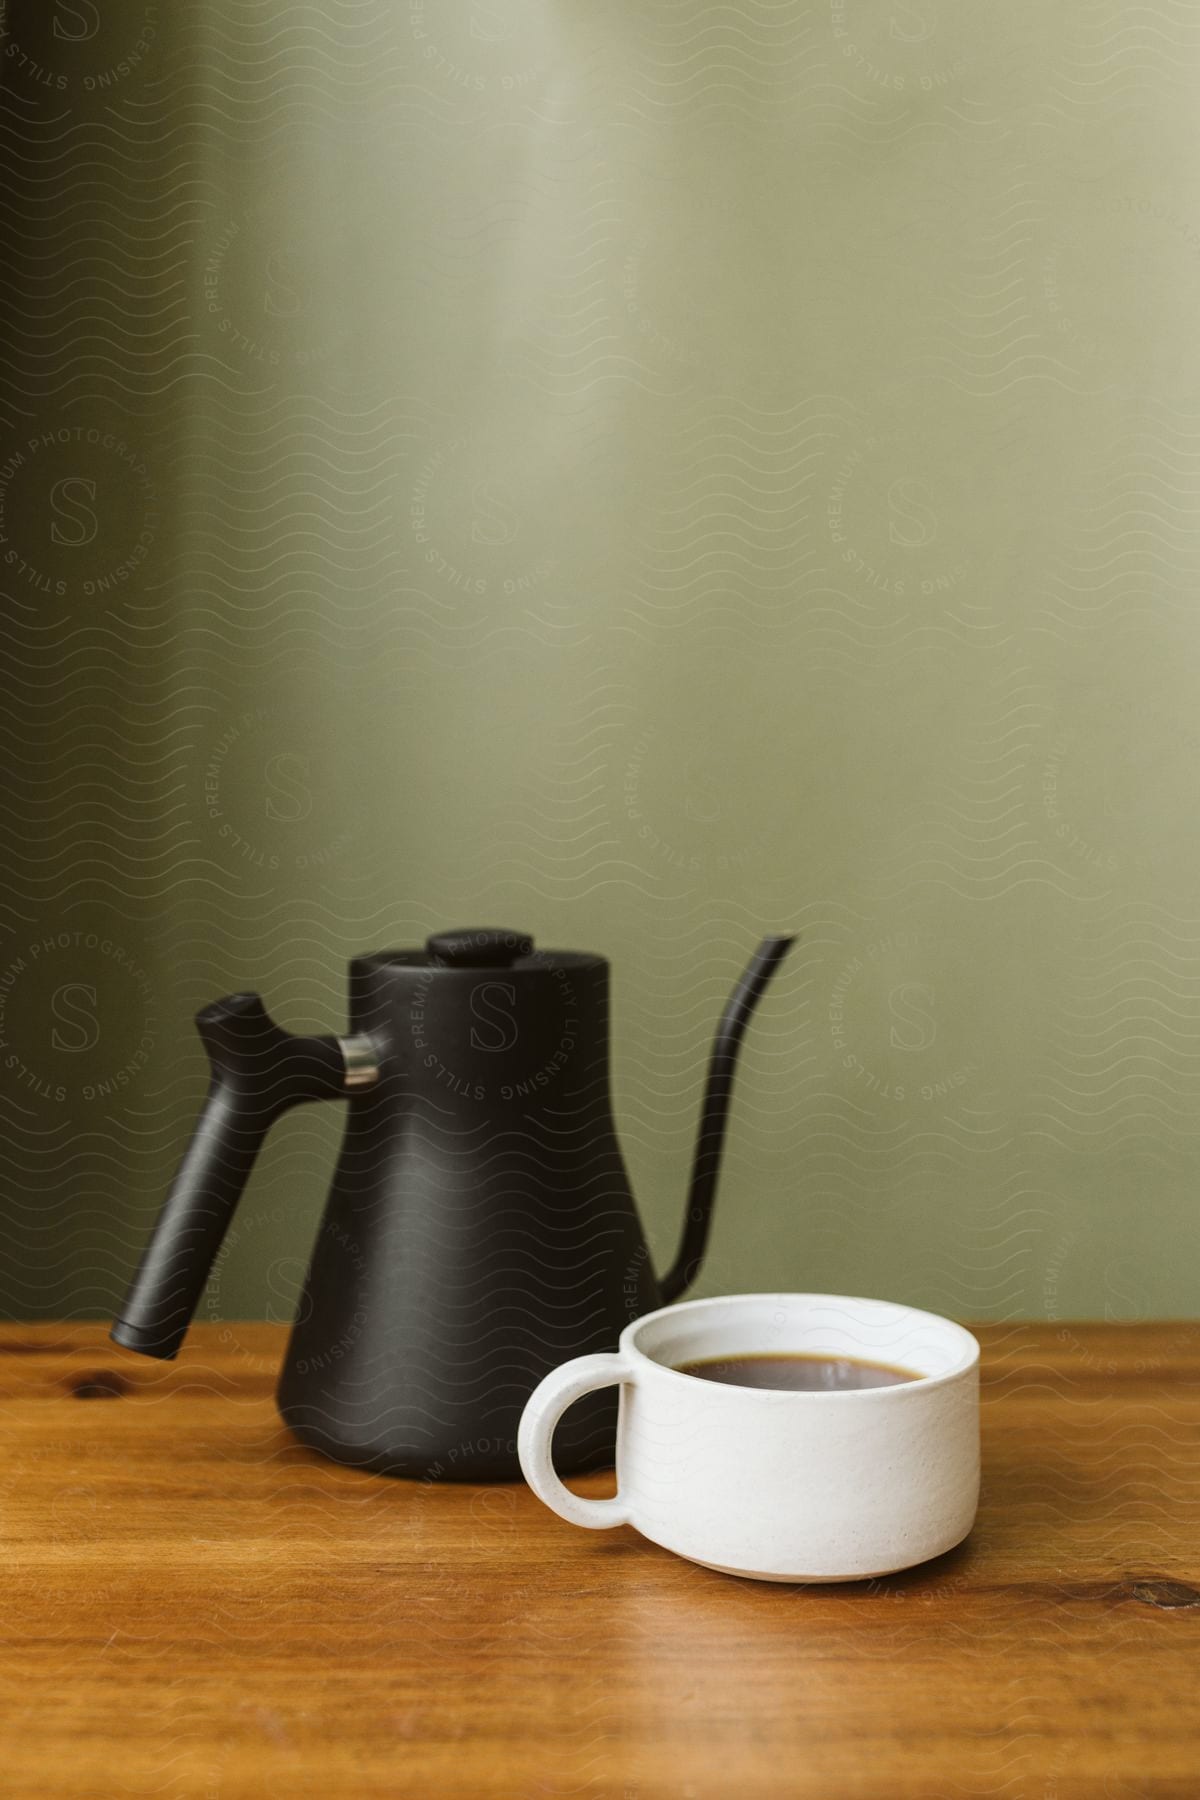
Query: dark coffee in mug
[797, 1373]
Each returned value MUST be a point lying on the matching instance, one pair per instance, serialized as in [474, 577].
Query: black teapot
[480, 1228]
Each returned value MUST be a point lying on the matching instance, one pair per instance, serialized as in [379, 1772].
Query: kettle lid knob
[478, 947]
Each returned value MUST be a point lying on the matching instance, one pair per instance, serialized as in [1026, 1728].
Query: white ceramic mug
[771, 1483]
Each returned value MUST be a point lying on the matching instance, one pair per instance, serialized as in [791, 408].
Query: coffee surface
[799, 1374]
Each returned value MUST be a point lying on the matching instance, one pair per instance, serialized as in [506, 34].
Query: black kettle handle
[258, 1072]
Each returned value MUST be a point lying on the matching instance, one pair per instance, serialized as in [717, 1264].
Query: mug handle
[545, 1407]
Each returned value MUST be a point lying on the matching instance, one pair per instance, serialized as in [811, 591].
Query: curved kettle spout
[715, 1111]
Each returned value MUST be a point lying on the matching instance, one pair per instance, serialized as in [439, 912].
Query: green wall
[646, 475]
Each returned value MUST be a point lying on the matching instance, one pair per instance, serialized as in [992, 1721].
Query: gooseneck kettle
[480, 1228]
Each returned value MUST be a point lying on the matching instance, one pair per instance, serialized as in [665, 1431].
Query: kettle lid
[478, 947]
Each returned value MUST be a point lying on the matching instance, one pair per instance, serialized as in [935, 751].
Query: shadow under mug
[773, 1483]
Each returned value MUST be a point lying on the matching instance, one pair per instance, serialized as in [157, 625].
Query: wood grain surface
[195, 1606]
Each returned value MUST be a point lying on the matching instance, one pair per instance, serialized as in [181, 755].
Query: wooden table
[195, 1606]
